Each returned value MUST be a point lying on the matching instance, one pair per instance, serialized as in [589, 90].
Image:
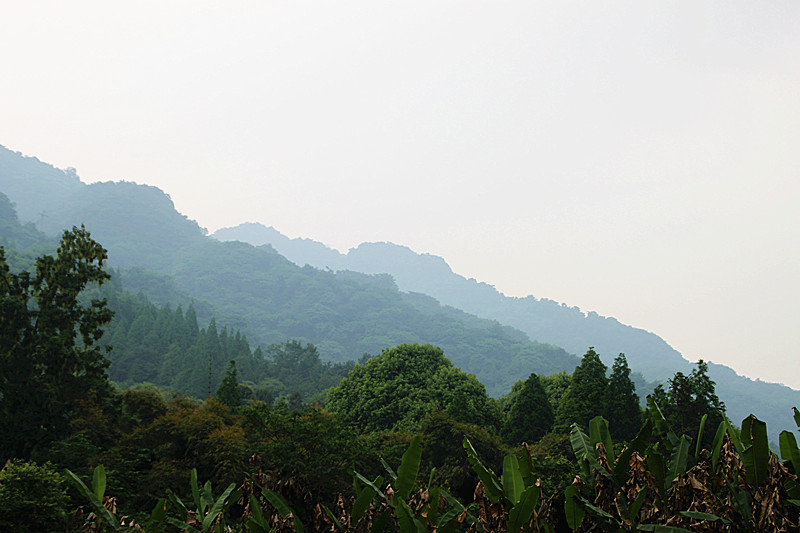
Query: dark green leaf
[409, 467]
[573, 507]
[521, 513]
[512, 479]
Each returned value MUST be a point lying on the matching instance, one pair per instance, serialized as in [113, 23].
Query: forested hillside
[91, 399]
[65, 422]
[344, 314]
[542, 319]
[270, 299]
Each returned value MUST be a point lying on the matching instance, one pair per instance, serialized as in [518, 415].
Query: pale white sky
[636, 159]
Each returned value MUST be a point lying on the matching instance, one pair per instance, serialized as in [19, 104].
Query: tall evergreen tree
[530, 415]
[622, 403]
[228, 390]
[688, 399]
[586, 394]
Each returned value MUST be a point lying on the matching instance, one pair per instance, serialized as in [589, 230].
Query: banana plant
[396, 502]
[258, 523]
[588, 454]
[104, 517]
[516, 489]
[791, 455]
[209, 511]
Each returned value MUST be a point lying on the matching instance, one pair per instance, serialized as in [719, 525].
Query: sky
[637, 159]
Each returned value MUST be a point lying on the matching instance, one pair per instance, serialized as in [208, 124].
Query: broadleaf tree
[49, 357]
[398, 388]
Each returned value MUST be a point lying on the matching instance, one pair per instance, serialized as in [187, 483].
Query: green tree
[621, 402]
[530, 415]
[555, 385]
[687, 399]
[32, 498]
[585, 397]
[49, 357]
[395, 390]
[228, 390]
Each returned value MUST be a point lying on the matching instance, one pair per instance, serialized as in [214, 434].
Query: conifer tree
[622, 403]
[228, 390]
[585, 397]
[688, 399]
[530, 415]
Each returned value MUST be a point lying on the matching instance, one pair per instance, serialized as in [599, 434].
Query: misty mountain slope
[347, 316]
[273, 300]
[35, 187]
[299, 251]
[16, 236]
[542, 320]
[138, 222]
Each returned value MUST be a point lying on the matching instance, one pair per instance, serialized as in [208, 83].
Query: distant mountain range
[377, 295]
[541, 319]
[254, 289]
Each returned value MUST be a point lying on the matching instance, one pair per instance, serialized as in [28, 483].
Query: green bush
[32, 498]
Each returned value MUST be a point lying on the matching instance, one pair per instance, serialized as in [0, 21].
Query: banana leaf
[512, 479]
[409, 467]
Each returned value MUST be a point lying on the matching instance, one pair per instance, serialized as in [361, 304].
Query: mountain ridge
[273, 299]
[538, 318]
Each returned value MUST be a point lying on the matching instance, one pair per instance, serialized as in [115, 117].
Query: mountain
[542, 319]
[256, 290]
[398, 296]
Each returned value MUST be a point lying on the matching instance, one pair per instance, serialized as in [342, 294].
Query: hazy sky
[638, 159]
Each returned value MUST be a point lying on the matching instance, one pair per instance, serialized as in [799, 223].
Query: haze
[634, 159]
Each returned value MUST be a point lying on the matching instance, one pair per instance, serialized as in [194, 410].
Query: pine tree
[622, 403]
[530, 415]
[228, 390]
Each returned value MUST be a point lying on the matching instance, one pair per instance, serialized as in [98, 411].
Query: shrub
[32, 498]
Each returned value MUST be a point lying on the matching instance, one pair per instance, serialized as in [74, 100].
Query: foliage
[49, 358]
[166, 347]
[443, 460]
[735, 485]
[530, 415]
[556, 385]
[397, 388]
[310, 447]
[398, 505]
[209, 512]
[513, 501]
[621, 401]
[585, 397]
[157, 455]
[688, 399]
[228, 390]
[554, 462]
[33, 498]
